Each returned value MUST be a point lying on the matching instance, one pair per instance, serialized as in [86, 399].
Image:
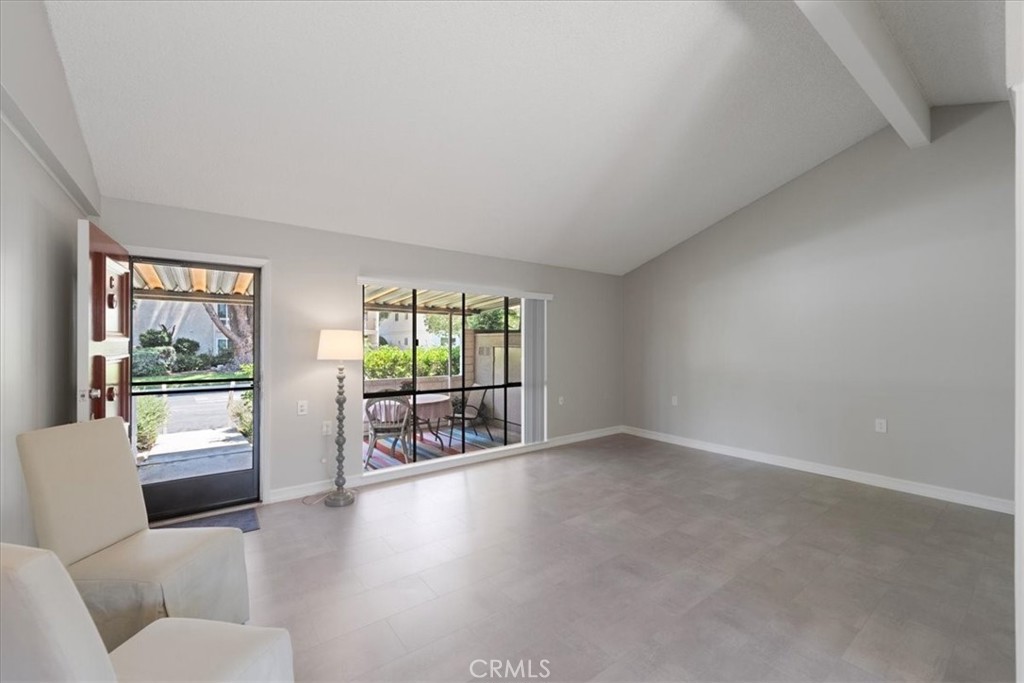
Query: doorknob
[95, 393]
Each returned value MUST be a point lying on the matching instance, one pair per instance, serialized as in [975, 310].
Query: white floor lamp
[340, 345]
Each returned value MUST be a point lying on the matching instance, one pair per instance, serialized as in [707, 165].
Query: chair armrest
[203, 650]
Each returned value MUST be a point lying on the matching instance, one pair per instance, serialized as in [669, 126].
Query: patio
[462, 354]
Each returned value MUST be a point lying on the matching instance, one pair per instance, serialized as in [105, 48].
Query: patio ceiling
[194, 283]
[382, 298]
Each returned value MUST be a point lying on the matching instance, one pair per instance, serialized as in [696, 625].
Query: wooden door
[103, 335]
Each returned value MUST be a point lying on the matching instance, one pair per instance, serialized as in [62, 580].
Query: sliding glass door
[442, 374]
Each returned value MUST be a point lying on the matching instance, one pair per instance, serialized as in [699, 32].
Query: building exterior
[186, 319]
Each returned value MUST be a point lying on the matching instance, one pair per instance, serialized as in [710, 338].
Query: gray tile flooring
[623, 559]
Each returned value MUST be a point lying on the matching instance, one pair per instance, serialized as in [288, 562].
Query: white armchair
[49, 636]
[88, 509]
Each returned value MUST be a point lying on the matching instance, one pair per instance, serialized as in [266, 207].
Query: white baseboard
[438, 464]
[904, 485]
[579, 436]
[299, 491]
[435, 465]
[451, 461]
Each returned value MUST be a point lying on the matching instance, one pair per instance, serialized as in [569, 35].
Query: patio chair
[49, 636]
[473, 411]
[388, 417]
[88, 509]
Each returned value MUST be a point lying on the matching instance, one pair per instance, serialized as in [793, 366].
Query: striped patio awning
[156, 280]
[381, 298]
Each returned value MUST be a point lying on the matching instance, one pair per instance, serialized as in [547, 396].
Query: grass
[202, 374]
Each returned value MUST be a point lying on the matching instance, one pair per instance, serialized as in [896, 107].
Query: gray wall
[37, 244]
[313, 286]
[879, 284]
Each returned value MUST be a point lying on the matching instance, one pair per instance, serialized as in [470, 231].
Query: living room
[710, 366]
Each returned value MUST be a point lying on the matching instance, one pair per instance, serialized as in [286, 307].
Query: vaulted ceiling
[588, 135]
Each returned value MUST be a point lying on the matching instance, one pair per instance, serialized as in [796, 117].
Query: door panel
[103, 335]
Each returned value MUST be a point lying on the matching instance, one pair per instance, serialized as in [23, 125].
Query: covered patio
[462, 351]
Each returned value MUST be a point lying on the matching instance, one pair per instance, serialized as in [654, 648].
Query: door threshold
[202, 515]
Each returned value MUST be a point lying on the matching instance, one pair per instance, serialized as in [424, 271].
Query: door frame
[263, 335]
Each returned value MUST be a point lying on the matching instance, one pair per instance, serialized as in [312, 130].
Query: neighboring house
[185, 318]
[395, 328]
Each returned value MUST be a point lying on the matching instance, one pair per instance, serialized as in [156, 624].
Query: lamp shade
[340, 345]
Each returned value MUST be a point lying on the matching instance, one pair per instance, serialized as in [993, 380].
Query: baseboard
[452, 461]
[299, 491]
[579, 436]
[903, 485]
[436, 465]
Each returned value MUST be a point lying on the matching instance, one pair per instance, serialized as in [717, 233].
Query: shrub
[154, 337]
[225, 357]
[387, 362]
[390, 362]
[151, 361]
[185, 346]
[151, 413]
[192, 363]
[433, 362]
[240, 412]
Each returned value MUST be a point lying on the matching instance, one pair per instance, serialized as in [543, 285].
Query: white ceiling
[955, 49]
[588, 135]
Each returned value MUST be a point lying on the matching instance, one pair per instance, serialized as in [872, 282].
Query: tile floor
[623, 559]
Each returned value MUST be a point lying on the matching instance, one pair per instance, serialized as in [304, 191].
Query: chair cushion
[199, 650]
[47, 632]
[157, 572]
[83, 486]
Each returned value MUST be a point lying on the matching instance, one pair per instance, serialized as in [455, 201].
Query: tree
[238, 328]
[437, 323]
[493, 320]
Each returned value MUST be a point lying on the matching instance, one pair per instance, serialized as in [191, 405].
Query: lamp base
[339, 498]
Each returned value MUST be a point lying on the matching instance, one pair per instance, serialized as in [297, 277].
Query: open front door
[103, 326]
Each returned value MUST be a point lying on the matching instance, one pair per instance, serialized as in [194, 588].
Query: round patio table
[431, 409]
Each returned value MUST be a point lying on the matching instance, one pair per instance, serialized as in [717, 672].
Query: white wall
[37, 244]
[879, 284]
[313, 286]
[37, 102]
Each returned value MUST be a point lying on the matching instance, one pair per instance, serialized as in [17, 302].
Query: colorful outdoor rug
[428, 448]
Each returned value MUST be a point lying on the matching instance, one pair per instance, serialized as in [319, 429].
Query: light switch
[881, 425]
[302, 408]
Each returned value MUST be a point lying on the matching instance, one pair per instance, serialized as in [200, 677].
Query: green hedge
[153, 360]
[240, 411]
[391, 362]
[151, 413]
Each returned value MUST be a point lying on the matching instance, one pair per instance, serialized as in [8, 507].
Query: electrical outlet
[881, 425]
[325, 428]
[302, 408]
[675, 400]
[561, 400]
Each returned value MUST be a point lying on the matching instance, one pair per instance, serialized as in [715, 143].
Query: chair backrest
[48, 634]
[476, 398]
[388, 413]
[83, 487]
